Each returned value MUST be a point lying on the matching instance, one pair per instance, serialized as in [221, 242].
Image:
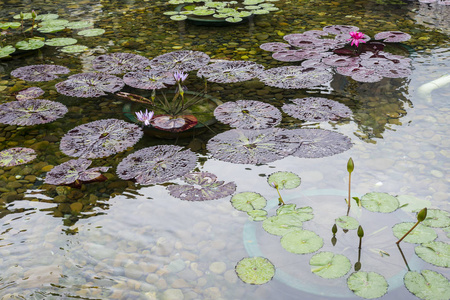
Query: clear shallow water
[132, 242]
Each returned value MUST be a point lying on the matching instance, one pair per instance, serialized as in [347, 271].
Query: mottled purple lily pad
[340, 29]
[244, 146]
[157, 164]
[119, 63]
[340, 60]
[87, 85]
[30, 93]
[295, 77]
[395, 72]
[315, 63]
[149, 79]
[72, 171]
[230, 71]
[174, 124]
[100, 138]
[201, 186]
[275, 47]
[310, 42]
[248, 114]
[39, 72]
[392, 36]
[297, 55]
[315, 143]
[360, 73]
[16, 156]
[31, 112]
[184, 60]
[316, 109]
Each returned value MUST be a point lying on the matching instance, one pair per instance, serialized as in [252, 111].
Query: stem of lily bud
[415, 225]
[421, 215]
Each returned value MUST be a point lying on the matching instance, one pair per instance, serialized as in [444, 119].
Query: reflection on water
[116, 240]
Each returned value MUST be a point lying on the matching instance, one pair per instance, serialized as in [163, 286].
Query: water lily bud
[360, 232]
[357, 266]
[21, 15]
[422, 215]
[334, 229]
[333, 240]
[350, 165]
[33, 14]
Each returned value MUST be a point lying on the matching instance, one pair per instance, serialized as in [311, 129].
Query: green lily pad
[45, 17]
[436, 253]
[26, 16]
[329, 265]
[260, 12]
[50, 29]
[171, 13]
[178, 17]
[248, 201]
[78, 25]
[6, 51]
[437, 218]
[8, 25]
[447, 230]
[233, 19]
[301, 241]
[306, 212]
[368, 285]
[284, 180]
[379, 202]
[257, 215]
[412, 204]
[92, 32]
[346, 222]
[54, 22]
[420, 234]
[282, 224]
[31, 44]
[427, 285]
[255, 270]
[60, 41]
[74, 48]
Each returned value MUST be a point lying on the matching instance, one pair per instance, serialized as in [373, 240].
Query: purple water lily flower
[145, 117]
[180, 76]
[357, 37]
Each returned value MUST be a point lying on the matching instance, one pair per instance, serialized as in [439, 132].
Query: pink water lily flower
[357, 37]
[180, 76]
[144, 117]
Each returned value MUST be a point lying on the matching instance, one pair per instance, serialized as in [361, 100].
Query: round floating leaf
[295, 77]
[367, 285]
[6, 51]
[7, 25]
[427, 285]
[51, 28]
[16, 156]
[184, 60]
[31, 112]
[412, 204]
[420, 234]
[119, 63]
[330, 265]
[392, 36]
[379, 202]
[230, 71]
[255, 270]
[149, 79]
[157, 164]
[92, 32]
[53, 22]
[282, 224]
[284, 180]
[316, 109]
[275, 46]
[73, 170]
[248, 114]
[346, 222]
[257, 215]
[304, 213]
[30, 44]
[100, 138]
[74, 49]
[301, 242]
[60, 41]
[25, 16]
[30, 93]
[39, 72]
[87, 85]
[437, 218]
[178, 17]
[45, 17]
[174, 124]
[248, 201]
[436, 253]
[202, 186]
[78, 25]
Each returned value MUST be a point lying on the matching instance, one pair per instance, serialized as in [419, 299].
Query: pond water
[120, 240]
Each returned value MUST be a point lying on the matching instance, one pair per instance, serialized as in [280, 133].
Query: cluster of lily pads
[228, 11]
[288, 224]
[321, 51]
[45, 24]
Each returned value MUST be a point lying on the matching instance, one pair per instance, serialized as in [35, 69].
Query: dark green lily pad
[16, 156]
[248, 201]
[379, 202]
[367, 285]
[74, 49]
[412, 204]
[255, 270]
[92, 32]
[346, 222]
[282, 224]
[437, 218]
[420, 234]
[31, 112]
[329, 265]
[436, 253]
[257, 215]
[427, 285]
[60, 41]
[6, 51]
[30, 44]
[301, 241]
[284, 180]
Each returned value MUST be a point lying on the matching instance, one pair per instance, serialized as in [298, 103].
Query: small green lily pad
[301, 242]
[412, 204]
[437, 218]
[233, 19]
[92, 32]
[306, 213]
[255, 270]
[6, 51]
[45, 17]
[346, 222]
[30, 44]
[78, 25]
[60, 41]
[50, 29]
[248, 201]
[8, 25]
[329, 265]
[427, 285]
[54, 22]
[379, 202]
[26, 16]
[74, 48]
[368, 285]
[436, 253]
[178, 17]
[257, 215]
[420, 234]
[284, 180]
[282, 224]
